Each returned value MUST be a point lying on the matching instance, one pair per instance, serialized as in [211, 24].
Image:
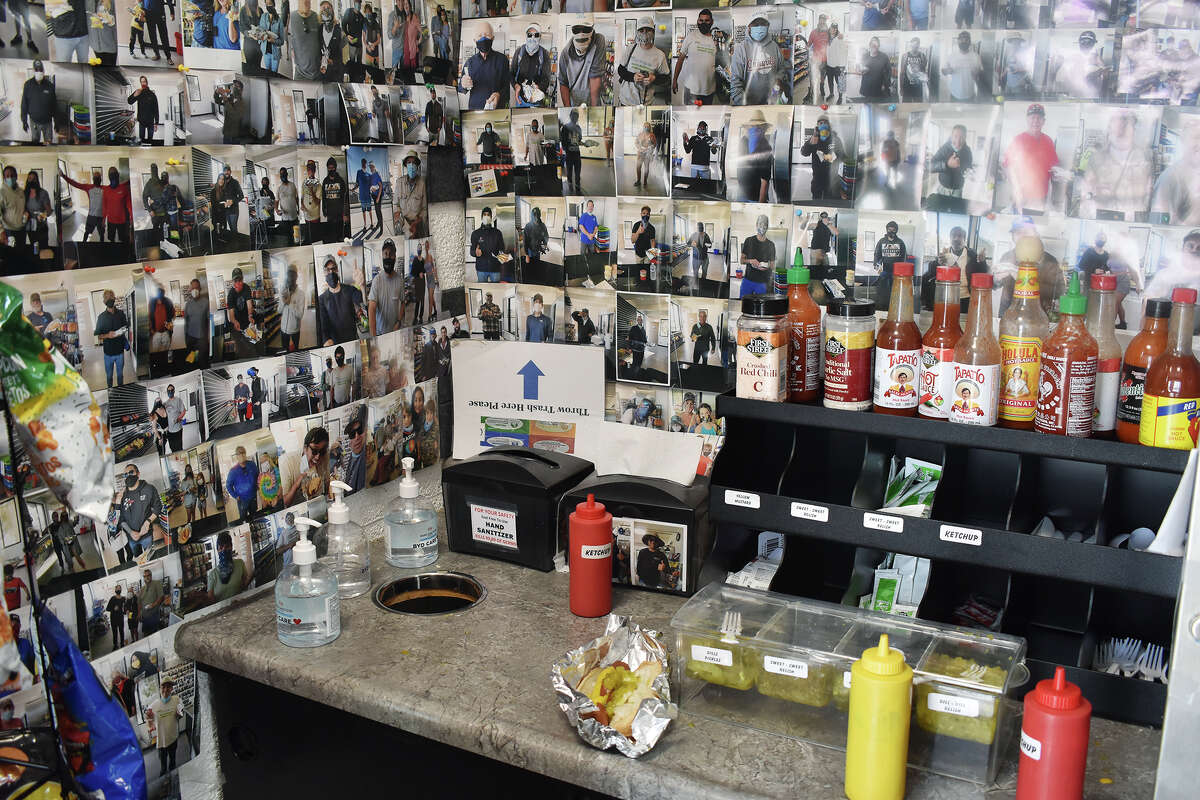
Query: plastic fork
[731, 627]
[974, 672]
[1103, 661]
[1128, 651]
[1152, 664]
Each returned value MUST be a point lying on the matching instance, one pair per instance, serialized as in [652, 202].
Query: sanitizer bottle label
[319, 617]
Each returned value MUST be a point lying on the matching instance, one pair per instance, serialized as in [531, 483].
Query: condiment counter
[395, 701]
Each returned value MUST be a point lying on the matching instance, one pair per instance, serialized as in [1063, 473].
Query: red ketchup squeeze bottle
[591, 541]
[1054, 741]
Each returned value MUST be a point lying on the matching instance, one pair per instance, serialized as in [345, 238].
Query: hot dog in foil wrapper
[54, 415]
[626, 671]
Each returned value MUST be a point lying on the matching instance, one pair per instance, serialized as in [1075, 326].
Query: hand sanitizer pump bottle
[349, 555]
[412, 529]
[307, 606]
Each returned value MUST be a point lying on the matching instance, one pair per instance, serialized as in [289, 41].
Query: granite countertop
[479, 680]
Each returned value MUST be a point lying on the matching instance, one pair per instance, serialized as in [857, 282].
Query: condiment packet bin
[503, 503]
[788, 672]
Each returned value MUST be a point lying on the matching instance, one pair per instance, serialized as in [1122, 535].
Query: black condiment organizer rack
[785, 466]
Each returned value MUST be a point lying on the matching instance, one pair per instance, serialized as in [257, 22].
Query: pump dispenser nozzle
[339, 512]
[408, 484]
[304, 554]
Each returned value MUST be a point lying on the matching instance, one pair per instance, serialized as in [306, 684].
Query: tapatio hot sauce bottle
[1067, 382]
[1023, 329]
[898, 350]
[1171, 403]
[1149, 344]
[974, 377]
[937, 346]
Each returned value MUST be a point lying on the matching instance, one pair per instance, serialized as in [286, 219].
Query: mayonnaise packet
[54, 415]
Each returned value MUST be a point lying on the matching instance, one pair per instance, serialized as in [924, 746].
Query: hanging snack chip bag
[54, 415]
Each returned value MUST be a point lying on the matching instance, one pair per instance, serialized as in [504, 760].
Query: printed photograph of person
[491, 241]
[262, 35]
[695, 346]
[1038, 140]
[236, 110]
[30, 28]
[758, 245]
[820, 30]
[871, 69]
[341, 304]
[315, 42]
[643, 338]
[815, 231]
[1117, 163]
[699, 254]
[139, 107]
[483, 79]
[94, 203]
[337, 370]
[297, 113]
[195, 506]
[137, 519]
[643, 70]
[760, 64]
[956, 239]
[390, 362]
[757, 163]
[540, 312]
[493, 311]
[1175, 264]
[221, 188]
[175, 325]
[389, 426]
[886, 238]
[48, 302]
[643, 227]
[692, 412]
[105, 640]
[643, 151]
[211, 37]
[249, 468]
[700, 45]
[424, 295]
[1159, 64]
[387, 298]
[426, 429]
[1176, 197]
[407, 194]
[142, 416]
[488, 152]
[960, 146]
[304, 460]
[324, 196]
[963, 68]
[419, 39]
[361, 27]
[372, 190]
[585, 57]
[532, 65]
[1002, 232]
[585, 137]
[534, 137]
[29, 242]
[587, 242]
[52, 98]
[1021, 63]
[272, 196]
[244, 398]
[370, 114]
[891, 148]
[1116, 247]
[292, 284]
[219, 566]
[1081, 65]
[65, 546]
[164, 213]
[105, 306]
[591, 320]
[274, 538]
[432, 352]
[643, 406]
[242, 305]
[824, 157]
[145, 35]
[540, 239]
[698, 148]
[917, 75]
[422, 115]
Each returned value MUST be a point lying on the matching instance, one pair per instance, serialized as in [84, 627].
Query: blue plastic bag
[116, 767]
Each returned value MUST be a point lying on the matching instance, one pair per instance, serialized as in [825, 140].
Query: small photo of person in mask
[340, 306]
[758, 167]
[694, 76]
[541, 240]
[484, 77]
[759, 73]
[583, 74]
[491, 241]
[531, 69]
[488, 153]
[824, 168]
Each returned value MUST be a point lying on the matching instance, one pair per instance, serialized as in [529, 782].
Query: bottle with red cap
[1054, 741]
[898, 350]
[1101, 323]
[591, 543]
[974, 377]
[937, 346]
[1171, 401]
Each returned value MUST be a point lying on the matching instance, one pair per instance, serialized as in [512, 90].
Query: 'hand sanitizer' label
[317, 617]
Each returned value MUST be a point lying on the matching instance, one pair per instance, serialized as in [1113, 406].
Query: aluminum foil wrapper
[634, 645]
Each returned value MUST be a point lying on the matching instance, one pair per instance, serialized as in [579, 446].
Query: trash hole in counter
[430, 593]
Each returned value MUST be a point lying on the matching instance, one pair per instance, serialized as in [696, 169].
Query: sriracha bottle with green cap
[1054, 741]
[591, 542]
[1067, 384]
[804, 338]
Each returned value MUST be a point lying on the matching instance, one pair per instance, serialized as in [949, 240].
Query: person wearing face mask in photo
[758, 254]
[531, 71]
[235, 128]
[264, 207]
[287, 206]
[385, 302]
[698, 243]
[241, 482]
[697, 63]
[342, 379]
[535, 153]
[965, 69]
[535, 241]
[248, 15]
[756, 165]
[395, 27]
[836, 55]
[823, 147]
[162, 325]
[295, 303]
[271, 25]
[225, 580]
[12, 208]
[876, 72]
[409, 197]
[335, 203]
[488, 143]
[645, 238]
[485, 75]
[951, 163]
[147, 115]
[581, 66]
[914, 73]
[95, 213]
[363, 181]
[164, 713]
[38, 209]
[1119, 172]
[304, 38]
[196, 327]
[352, 30]
[434, 119]
[372, 37]
[176, 412]
[338, 306]
[639, 66]
[1079, 74]
[416, 271]
[381, 117]
[647, 147]
[112, 327]
[141, 508]
[310, 205]
[39, 103]
[571, 139]
[758, 72]
[230, 200]
[332, 68]
[537, 324]
[413, 36]
[889, 250]
[442, 30]
[487, 241]
[702, 147]
[239, 301]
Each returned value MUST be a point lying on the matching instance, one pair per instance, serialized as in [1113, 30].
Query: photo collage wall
[228, 237]
[634, 171]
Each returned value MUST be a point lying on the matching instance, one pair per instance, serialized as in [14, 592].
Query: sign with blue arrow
[531, 373]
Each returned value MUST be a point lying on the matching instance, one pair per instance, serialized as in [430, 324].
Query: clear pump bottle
[412, 529]
[307, 607]
[348, 555]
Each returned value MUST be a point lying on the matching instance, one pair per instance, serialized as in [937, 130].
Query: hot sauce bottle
[974, 377]
[1023, 329]
[937, 347]
[804, 338]
[1171, 403]
[898, 350]
[1149, 344]
[1100, 323]
[1067, 382]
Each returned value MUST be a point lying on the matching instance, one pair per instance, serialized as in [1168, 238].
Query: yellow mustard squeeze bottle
[877, 737]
